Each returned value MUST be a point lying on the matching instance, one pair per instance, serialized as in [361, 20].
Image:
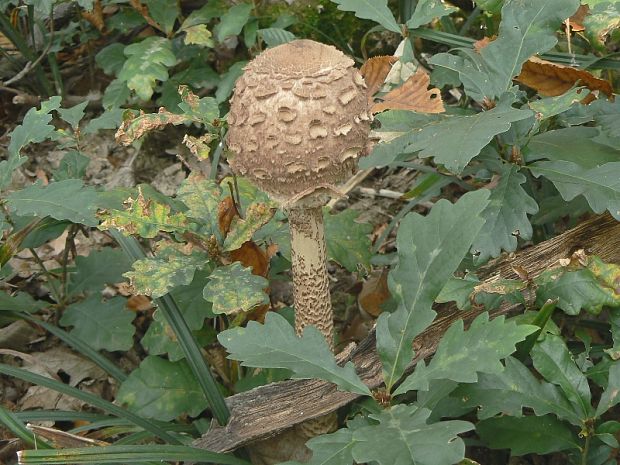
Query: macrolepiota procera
[298, 121]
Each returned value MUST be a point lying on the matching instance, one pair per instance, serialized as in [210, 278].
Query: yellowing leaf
[143, 217]
[233, 288]
[199, 35]
[552, 79]
[412, 95]
[134, 127]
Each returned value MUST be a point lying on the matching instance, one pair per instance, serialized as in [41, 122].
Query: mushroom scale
[298, 120]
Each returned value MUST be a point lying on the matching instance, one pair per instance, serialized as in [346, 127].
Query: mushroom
[298, 121]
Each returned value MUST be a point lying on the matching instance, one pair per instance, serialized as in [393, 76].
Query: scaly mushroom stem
[311, 284]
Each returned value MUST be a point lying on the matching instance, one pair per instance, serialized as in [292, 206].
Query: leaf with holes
[413, 95]
[275, 345]
[599, 185]
[233, 288]
[505, 216]
[101, 324]
[461, 355]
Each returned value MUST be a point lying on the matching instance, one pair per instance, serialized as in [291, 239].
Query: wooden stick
[268, 410]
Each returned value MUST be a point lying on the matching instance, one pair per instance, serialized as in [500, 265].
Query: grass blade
[126, 454]
[88, 398]
[15, 425]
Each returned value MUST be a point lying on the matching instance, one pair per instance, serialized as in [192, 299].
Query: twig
[351, 184]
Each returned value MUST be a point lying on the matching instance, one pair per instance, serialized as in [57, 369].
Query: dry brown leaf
[551, 79]
[227, 210]
[413, 95]
[95, 16]
[576, 21]
[139, 303]
[374, 72]
[374, 293]
[251, 255]
[480, 44]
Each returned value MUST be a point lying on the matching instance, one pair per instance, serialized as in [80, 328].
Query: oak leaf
[576, 21]
[552, 79]
[413, 95]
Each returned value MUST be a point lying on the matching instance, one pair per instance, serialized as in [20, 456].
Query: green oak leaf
[575, 144]
[348, 242]
[233, 288]
[403, 437]
[101, 324]
[173, 265]
[555, 363]
[330, 449]
[162, 390]
[602, 20]
[528, 435]
[427, 10]
[452, 140]
[611, 394]
[505, 216]
[100, 267]
[275, 345]
[63, 200]
[72, 166]
[492, 6]
[375, 10]
[232, 22]
[147, 62]
[614, 320]
[274, 36]
[111, 58]
[201, 110]
[458, 290]
[115, 95]
[144, 218]
[164, 12]
[461, 355]
[20, 302]
[110, 119]
[590, 289]
[429, 251]
[547, 107]
[599, 185]
[516, 387]
[242, 229]
[528, 28]
[73, 115]
[202, 198]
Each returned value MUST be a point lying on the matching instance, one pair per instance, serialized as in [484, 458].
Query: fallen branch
[268, 410]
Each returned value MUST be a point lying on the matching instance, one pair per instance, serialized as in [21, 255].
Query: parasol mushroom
[298, 121]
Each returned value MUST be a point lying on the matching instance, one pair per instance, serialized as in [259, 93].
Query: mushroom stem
[311, 284]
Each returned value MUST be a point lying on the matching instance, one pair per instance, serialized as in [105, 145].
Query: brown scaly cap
[298, 120]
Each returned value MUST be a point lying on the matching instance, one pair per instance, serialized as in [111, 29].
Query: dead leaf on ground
[374, 72]
[251, 255]
[139, 303]
[95, 16]
[551, 79]
[413, 95]
[480, 44]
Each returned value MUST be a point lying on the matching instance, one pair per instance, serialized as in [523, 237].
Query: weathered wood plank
[268, 410]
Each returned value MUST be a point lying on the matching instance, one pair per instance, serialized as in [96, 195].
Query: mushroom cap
[298, 120]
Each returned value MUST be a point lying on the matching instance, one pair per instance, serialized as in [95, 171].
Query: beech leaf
[275, 345]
